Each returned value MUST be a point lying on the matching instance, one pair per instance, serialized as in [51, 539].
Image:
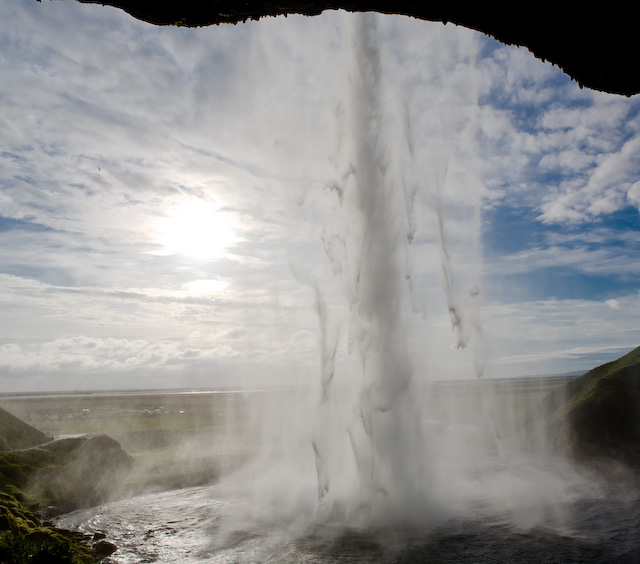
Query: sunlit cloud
[204, 287]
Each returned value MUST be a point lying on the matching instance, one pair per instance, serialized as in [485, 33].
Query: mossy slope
[25, 539]
[15, 434]
[597, 416]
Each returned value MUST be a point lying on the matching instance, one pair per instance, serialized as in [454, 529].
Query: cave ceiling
[596, 47]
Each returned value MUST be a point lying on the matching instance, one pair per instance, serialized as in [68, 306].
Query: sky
[176, 205]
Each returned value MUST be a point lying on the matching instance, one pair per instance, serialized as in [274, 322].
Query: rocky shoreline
[41, 478]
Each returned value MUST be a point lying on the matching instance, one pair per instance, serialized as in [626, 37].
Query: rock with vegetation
[40, 474]
[86, 472]
[24, 539]
[596, 417]
[17, 467]
[67, 474]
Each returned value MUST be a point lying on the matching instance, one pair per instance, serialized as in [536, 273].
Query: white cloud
[605, 190]
[601, 261]
[555, 336]
[576, 353]
[567, 161]
[516, 71]
[634, 194]
[572, 154]
[106, 128]
[602, 114]
[89, 353]
[595, 236]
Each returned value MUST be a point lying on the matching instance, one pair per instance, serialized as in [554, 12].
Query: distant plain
[180, 438]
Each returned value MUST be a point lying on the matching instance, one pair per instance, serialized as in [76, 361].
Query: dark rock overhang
[596, 47]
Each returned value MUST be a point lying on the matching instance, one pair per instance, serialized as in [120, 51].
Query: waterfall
[359, 451]
[384, 427]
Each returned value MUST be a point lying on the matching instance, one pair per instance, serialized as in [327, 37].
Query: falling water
[368, 453]
[384, 428]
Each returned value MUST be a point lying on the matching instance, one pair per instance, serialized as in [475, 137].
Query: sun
[196, 229]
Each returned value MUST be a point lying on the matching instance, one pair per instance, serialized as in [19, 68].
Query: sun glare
[196, 229]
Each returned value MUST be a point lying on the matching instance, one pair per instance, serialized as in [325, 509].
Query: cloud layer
[521, 196]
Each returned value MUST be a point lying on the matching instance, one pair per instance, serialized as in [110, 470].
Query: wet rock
[103, 549]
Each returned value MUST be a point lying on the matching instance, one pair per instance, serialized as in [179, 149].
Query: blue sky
[124, 147]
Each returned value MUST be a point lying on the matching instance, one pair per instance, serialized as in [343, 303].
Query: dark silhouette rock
[103, 549]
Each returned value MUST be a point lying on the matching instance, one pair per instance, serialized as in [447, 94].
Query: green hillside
[15, 434]
[596, 416]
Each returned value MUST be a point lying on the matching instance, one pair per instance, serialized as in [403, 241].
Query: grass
[588, 386]
[596, 417]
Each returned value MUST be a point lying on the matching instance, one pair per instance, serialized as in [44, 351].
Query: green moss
[24, 539]
[591, 385]
[17, 467]
[16, 548]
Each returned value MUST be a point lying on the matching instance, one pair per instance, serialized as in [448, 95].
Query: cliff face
[595, 47]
